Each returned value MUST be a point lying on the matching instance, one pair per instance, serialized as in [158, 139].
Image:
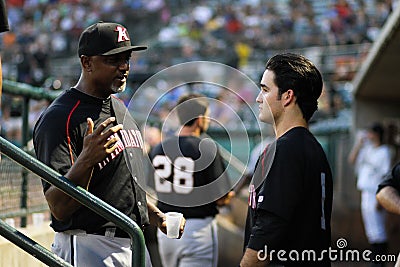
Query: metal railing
[81, 195]
[28, 91]
[31, 246]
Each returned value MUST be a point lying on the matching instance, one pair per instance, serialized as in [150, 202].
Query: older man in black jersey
[81, 136]
[290, 200]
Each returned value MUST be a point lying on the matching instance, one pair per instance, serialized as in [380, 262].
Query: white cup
[173, 220]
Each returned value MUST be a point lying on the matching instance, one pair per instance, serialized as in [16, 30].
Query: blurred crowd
[44, 34]
[45, 29]
[226, 31]
[221, 29]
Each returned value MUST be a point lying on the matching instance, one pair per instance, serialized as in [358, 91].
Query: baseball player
[183, 165]
[372, 160]
[81, 136]
[290, 198]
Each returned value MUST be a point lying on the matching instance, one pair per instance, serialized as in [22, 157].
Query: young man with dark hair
[290, 200]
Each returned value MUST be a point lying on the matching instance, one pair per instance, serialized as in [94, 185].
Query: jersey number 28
[180, 172]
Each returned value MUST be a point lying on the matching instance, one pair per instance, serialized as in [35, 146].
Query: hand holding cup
[173, 221]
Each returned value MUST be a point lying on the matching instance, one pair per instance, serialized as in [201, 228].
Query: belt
[109, 232]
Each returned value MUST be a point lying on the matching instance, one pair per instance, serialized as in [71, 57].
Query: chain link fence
[21, 194]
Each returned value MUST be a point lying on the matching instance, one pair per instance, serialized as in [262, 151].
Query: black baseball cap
[105, 38]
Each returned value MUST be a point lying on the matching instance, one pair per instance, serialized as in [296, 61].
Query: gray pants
[87, 250]
[374, 219]
[198, 246]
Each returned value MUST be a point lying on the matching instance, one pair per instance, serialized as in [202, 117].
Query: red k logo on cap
[122, 34]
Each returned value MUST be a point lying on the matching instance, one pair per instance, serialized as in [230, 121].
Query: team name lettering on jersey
[129, 139]
[122, 34]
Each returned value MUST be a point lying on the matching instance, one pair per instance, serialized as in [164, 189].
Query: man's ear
[200, 121]
[86, 63]
[288, 97]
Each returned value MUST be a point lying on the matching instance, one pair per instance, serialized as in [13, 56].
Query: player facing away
[290, 198]
[81, 136]
[184, 164]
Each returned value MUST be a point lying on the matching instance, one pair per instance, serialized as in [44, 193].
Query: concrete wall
[367, 111]
[12, 256]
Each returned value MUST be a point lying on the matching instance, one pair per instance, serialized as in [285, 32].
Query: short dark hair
[378, 129]
[190, 107]
[296, 72]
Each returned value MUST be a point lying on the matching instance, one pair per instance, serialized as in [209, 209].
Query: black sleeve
[224, 182]
[51, 145]
[391, 179]
[268, 229]
[216, 171]
[3, 17]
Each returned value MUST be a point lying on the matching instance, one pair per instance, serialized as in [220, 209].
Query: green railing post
[26, 90]
[24, 196]
[24, 143]
[81, 195]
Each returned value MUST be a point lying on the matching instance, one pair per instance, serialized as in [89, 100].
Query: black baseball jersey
[183, 166]
[291, 208]
[58, 140]
[392, 178]
[3, 17]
